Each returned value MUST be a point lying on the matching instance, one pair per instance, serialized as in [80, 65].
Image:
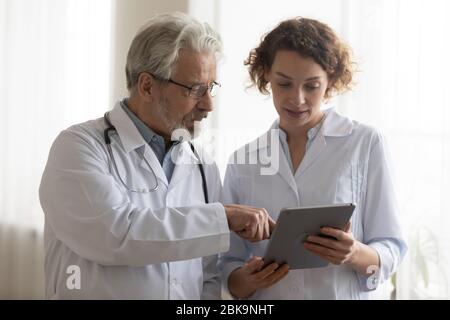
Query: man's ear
[145, 86]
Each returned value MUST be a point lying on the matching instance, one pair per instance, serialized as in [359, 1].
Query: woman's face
[298, 87]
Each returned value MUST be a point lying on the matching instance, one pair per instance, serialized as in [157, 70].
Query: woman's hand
[344, 249]
[338, 251]
[244, 281]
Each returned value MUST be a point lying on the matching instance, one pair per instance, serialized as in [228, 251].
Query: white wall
[54, 72]
[128, 17]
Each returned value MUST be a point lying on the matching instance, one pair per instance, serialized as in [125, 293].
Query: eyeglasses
[197, 90]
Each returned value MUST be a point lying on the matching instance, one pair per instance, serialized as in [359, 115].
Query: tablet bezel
[295, 224]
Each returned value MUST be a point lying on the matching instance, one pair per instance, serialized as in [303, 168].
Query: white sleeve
[382, 229]
[239, 251]
[90, 214]
[212, 281]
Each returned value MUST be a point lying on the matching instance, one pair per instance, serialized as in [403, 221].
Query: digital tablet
[294, 225]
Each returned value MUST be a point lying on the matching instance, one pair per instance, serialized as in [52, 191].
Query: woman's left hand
[337, 251]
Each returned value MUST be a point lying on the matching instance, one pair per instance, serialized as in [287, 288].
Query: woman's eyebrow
[314, 78]
[281, 74]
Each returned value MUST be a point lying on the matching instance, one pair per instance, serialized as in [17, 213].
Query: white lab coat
[346, 162]
[129, 245]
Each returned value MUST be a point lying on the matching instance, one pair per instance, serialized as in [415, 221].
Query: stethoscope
[106, 132]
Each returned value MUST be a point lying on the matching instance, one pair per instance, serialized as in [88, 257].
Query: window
[54, 72]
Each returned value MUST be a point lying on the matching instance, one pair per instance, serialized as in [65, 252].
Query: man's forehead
[195, 66]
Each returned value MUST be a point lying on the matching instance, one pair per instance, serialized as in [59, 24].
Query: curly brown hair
[310, 39]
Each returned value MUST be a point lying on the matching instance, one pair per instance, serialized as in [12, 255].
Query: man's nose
[206, 102]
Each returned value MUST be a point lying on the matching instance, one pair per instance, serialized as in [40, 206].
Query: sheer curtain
[402, 49]
[54, 72]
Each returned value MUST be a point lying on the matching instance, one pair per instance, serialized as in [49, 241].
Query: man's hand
[244, 281]
[251, 223]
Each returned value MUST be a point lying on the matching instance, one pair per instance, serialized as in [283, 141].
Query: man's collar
[127, 131]
[129, 134]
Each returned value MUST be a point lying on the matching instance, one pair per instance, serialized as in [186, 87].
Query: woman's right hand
[244, 281]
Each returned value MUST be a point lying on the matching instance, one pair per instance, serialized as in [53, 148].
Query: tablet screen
[294, 225]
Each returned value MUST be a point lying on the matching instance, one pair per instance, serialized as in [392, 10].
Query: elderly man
[130, 213]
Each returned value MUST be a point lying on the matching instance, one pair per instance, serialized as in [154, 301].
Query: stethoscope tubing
[110, 127]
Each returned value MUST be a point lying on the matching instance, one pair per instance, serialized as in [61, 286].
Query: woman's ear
[330, 86]
[267, 75]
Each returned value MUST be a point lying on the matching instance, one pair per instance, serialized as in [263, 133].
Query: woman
[323, 158]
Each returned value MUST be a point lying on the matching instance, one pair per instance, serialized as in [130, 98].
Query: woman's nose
[298, 97]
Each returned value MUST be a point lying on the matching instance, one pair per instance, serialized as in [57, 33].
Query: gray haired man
[127, 215]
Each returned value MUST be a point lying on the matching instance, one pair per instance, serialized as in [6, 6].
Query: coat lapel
[132, 141]
[150, 161]
[314, 151]
[271, 152]
[334, 125]
[185, 162]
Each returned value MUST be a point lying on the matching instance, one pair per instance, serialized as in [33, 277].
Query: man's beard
[190, 122]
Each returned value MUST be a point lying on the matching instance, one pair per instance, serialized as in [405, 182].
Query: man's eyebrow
[195, 82]
[205, 84]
